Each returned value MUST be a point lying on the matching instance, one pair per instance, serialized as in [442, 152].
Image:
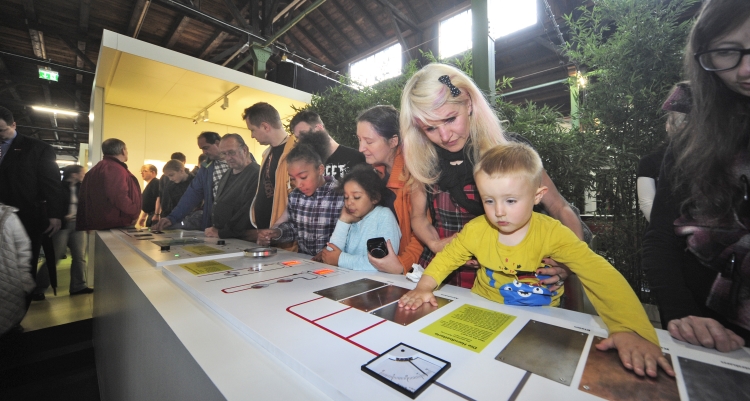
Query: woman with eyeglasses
[696, 252]
[446, 125]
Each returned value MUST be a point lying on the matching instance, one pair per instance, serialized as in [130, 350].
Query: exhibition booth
[156, 101]
[178, 315]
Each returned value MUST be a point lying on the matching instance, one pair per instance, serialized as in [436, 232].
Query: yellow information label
[469, 327]
[210, 266]
[202, 249]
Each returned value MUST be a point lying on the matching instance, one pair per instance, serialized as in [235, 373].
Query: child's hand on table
[636, 353]
[419, 295]
[331, 256]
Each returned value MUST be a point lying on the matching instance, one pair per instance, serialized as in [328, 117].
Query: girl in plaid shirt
[314, 205]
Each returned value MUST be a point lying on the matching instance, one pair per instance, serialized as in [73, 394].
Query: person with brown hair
[702, 200]
[677, 107]
[149, 195]
[380, 142]
[274, 184]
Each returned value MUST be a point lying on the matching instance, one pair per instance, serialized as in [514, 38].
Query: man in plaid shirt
[203, 187]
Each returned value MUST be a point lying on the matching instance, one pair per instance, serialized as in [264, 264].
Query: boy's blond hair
[512, 158]
[173, 165]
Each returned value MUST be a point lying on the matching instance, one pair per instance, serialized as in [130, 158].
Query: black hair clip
[447, 81]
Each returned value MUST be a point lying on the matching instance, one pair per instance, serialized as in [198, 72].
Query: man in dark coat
[30, 182]
[110, 196]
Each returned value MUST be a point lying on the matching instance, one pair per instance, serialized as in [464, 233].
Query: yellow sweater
[608, 291]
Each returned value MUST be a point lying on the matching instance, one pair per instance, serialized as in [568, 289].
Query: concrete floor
[62, 308]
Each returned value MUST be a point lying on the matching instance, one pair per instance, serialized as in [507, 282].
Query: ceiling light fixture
[225, 97]
[205, 116]
[56, 111]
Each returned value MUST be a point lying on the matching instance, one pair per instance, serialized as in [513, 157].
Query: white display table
[285, 327]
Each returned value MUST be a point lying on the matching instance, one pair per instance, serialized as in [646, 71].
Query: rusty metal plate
[406, 317]
[546, 350]
[711, 382]
[347, 290]
[376, 298]
[605, 377]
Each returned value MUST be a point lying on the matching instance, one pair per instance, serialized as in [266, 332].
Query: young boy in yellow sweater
[510, 240]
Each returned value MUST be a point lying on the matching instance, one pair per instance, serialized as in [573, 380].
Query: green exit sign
[49, 75]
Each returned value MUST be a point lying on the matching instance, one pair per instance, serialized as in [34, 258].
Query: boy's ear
[322, 169]
[539, 194]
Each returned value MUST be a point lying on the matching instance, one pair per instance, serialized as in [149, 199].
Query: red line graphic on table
[345, 338]
[260, 284]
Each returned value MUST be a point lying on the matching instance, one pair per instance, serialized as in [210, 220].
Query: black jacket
[29, 177]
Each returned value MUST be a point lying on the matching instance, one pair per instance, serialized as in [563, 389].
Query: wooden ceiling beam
[309, 37]
[137, 17]
[300, 49]
[413, 12]
[79, 54]
[429, 5]
[254, 16]
[404, 46]
[36, 35]
[348, 18]
[237, 15]
[219, 38]
[83, 28]
[395, 12]
[13, 91]
[337, 29]
[212, 44]
[287, 9]
[174, 36]
[268, 10]
[369, 18]
[227, 52]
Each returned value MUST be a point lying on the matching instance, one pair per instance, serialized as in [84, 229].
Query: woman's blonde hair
[423, 94]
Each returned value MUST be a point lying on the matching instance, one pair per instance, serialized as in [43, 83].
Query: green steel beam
[293, 22]
[483, 49]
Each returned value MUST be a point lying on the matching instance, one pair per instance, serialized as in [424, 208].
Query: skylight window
[378, 67]
[506, 17]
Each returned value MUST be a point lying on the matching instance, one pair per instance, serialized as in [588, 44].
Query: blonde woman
[446, 125]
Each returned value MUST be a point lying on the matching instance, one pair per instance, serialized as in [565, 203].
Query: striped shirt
[312, 218]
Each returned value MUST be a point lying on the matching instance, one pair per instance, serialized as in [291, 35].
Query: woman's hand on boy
[637, 354]
[558, 272]
[331, 256]
[705, 332]
[389, 263]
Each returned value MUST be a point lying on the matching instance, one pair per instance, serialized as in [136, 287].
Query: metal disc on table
[260, 252]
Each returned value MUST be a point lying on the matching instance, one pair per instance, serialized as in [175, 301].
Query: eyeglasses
[230, 153]
[721, 59]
